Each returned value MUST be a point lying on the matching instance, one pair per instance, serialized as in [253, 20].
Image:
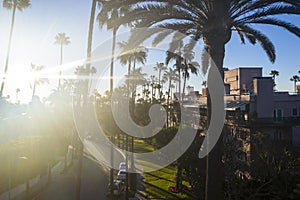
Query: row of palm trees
[60, 39]
[182, 68]
[213, 21]
[13, 5]
[294, 79]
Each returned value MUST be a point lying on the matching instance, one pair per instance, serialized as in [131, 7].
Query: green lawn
[157, 183]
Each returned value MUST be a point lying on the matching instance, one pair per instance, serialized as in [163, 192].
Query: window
[295, 112]
[278, 114]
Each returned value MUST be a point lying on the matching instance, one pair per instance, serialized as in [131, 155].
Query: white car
[122, 166]
[121, 175]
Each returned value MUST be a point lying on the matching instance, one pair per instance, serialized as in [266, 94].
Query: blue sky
[36, 27]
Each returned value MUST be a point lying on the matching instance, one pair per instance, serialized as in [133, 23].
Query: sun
[18, 83]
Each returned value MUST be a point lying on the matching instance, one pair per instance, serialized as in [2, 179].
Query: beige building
[240, 80]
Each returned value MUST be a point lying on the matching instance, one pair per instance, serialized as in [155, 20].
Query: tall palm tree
[214, 21]
[295, 79]
[35, 69]
[160, 67]
[13, 5]
[132, 55]
[109, 16]
[17, 95]
[177, 57]
[170, 75]
[188, 66]
[152, 83]
[90, 39]
[274, 73]
[184, 63]
[61, 39]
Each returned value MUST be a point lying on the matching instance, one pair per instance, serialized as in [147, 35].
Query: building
[240, 80]
[253, 108]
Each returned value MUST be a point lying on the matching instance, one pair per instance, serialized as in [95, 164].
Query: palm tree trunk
[159, 86]
[60, 63]
[8, 48]
[33, 90]
[168, 102]
[184, 83]
[179, 84]
[214, 166]
[90, 40]
[112, 60]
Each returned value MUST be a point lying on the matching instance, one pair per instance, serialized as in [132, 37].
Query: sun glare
[19, 81]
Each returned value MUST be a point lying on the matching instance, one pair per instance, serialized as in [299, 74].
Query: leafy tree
[61, 39]
[13, 5]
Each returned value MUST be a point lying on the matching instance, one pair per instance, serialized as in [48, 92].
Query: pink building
[240, 80]
[270, 104]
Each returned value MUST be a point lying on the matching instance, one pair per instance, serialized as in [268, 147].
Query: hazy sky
[36, 27]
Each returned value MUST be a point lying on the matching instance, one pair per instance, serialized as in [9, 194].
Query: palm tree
[189, 66]
[109, 16]
[274, 73]
[178, 65]
[61, 39]
[17, 95]
[214, 21]
[90, 33]
[170, 75]
[160, 67]
[90, 40]
[12, 5]
[132, 55]
[295, 79]
[152, 83]
[35, 69]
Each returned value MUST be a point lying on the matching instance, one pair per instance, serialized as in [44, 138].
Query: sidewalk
[61, 187]
[36, 184]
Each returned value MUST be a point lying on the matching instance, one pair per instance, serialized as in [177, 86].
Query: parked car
[121, 175]
[122, 166]
[118, 187]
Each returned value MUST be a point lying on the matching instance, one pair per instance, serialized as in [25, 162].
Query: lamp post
[25, 159]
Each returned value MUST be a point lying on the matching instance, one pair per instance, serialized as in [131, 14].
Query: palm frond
[161, 36]
[272, 21]
[205, 59]
[273, 10]
[263, 40]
